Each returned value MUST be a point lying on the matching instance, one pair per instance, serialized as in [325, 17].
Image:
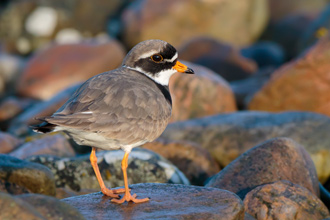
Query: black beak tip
[189, 71]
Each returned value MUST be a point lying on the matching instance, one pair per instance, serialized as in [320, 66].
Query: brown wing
[121, 105]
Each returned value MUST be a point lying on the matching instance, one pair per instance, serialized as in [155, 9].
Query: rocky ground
[249, 134]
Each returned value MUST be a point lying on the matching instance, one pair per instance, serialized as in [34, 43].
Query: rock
[42, 21]
[8, 142]
[14, 208]
[282, 8]
[195, 162]
[227, 136]
[299, 85]
[147, 19]
[12, 188]
[19, 126]
[62, 192]
[180, 202]
[284, 200]
[197, 95]
[314, 30]
[62, 66]
[56, 145]
[288, 31]
[11, 106]
[32, 176]
[273, 160]
[222, 58]
[265, 54]
[245, 89]
[50, 207]
[143, 166]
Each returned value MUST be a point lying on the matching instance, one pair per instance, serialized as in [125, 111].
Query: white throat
[162, 77]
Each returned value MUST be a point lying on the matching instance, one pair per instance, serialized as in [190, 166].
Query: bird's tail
[44, 127]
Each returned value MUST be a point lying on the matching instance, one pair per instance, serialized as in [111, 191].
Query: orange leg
[104, 189]
[127, 197]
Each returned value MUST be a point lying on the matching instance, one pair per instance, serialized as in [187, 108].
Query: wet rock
[197, 95]
[270, 200]
[56, 145]
[62, 192]
[62, 66]
[50, 207]
[8, 142]
[227, 136]
[195, 162]
[20, 125]
[222, 58]
[245, 89]
[273, 160]
[265, 54]
[316, 29]
[154, 20]
[12, 188]
[143, 166]
[14, 208]
[11, 106]
[282, 8]
[299, 85]
[33, 176]
[167, 201]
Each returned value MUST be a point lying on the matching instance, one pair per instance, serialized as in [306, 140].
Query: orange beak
[182, 68]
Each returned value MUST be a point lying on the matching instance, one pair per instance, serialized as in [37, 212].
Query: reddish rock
[167, 201]
[12, 106]
[202, 94]
[220, 57]
[56, 145]
[273, 160]
[61, 66]
[195, 162]
[303, 84]
[149, 19]
[8, 142]
[284, 200]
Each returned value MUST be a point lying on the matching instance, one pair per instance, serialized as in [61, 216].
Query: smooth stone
[12, 188]
[273, 160]
[55, 144]
[227, 136]
[34, 177]
[8, 142]
[76, 173]
[190, 158]
[284, 200]
[167, 201]
[197, 95]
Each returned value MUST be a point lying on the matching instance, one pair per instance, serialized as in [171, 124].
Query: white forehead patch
[173, 58]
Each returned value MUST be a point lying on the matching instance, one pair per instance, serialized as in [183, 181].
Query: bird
[122, 108]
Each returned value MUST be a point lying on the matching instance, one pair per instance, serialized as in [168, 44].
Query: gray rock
[34, 177]
[167, 201]
[227, 136]
[143, 166]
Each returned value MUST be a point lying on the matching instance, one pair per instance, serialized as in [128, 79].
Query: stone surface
[56, 145]
[284, 200]
[61, 66]
[204, 93]
[222, 58]
[167, 201]
[33, 176]
[299, 85]
[227, 136]
[20, 125]
[8, 142]
[62, 192]
[273, 160]
[282, 8]
[12, 188]
[195, 162]
[148, 19]
[10, 67]
[143, 166]
[51, 208]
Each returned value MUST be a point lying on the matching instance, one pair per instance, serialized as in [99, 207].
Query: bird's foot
[112, 193]
[129, 198]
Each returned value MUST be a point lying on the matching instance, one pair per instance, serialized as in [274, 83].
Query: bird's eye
[156, 58]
